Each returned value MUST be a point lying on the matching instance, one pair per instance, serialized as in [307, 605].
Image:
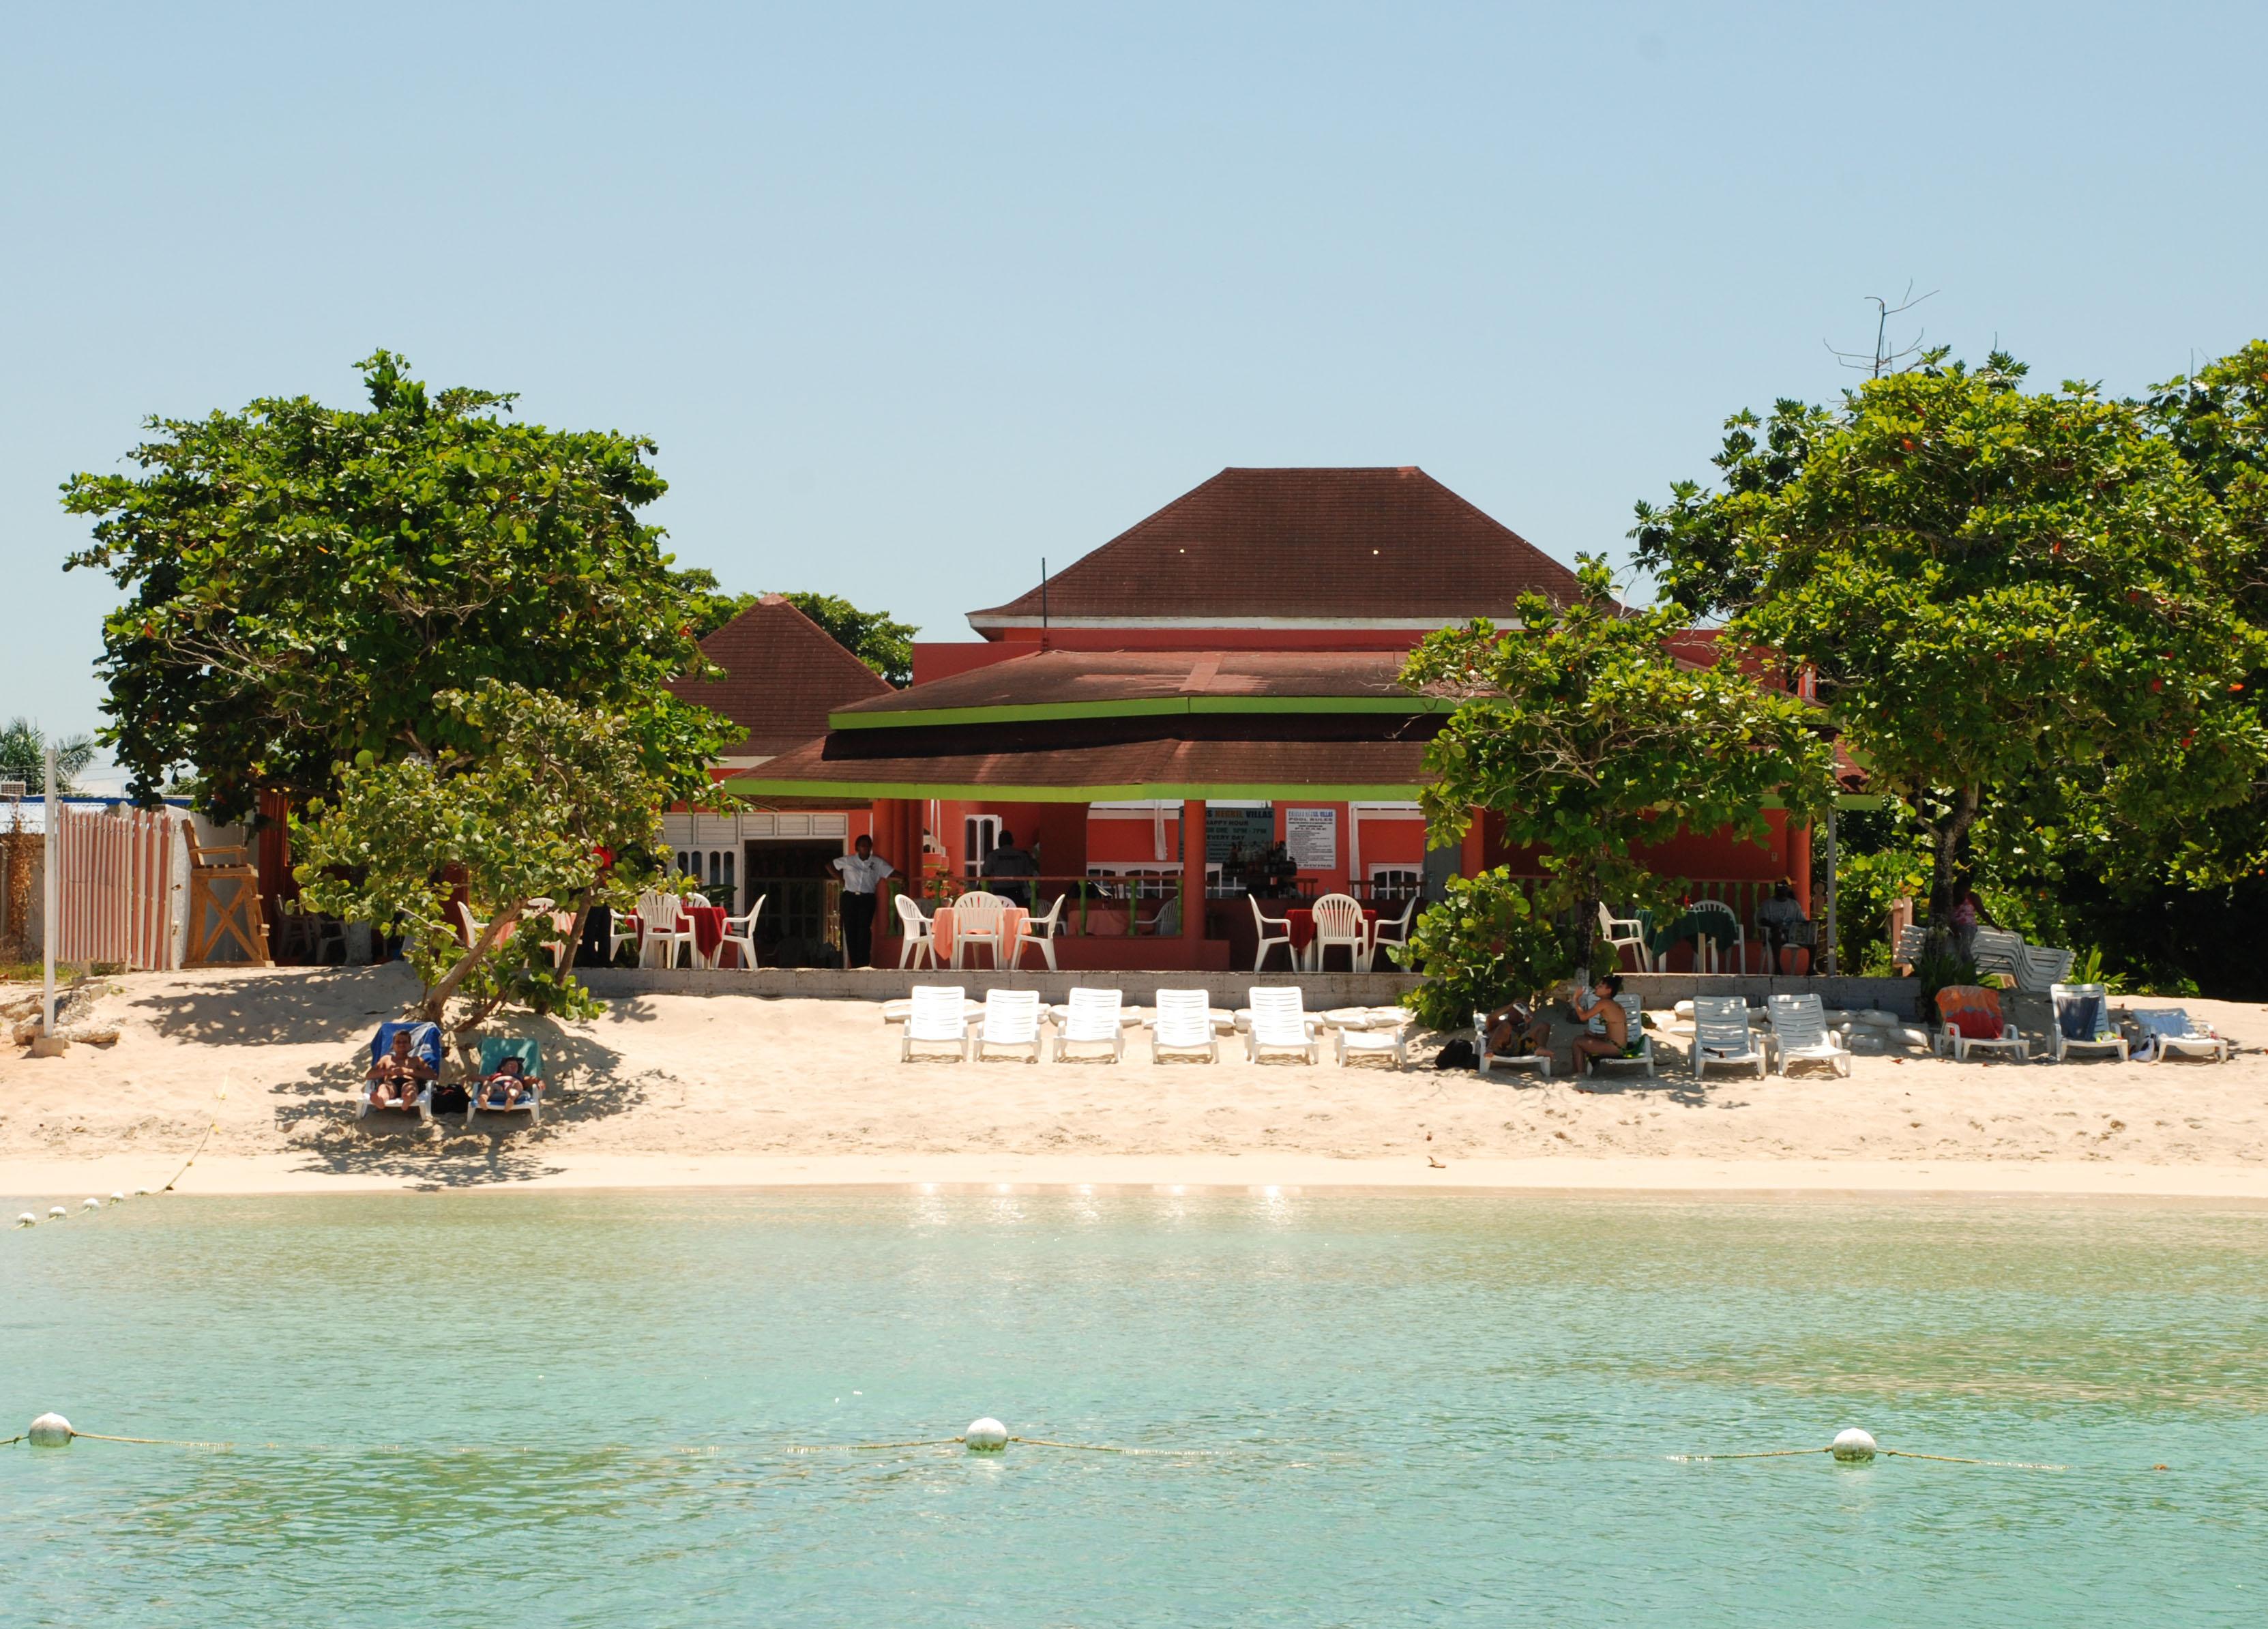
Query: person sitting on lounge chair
[510, 1086]
[399, 1077]
[1607, 1027]
[1513, 1031]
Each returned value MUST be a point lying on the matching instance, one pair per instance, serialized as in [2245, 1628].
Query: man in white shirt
[862, 871]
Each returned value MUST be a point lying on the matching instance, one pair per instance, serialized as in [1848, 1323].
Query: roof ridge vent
[1201, 674]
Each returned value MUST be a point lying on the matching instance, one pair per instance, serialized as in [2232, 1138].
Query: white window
[980, 835]
[1396, 882]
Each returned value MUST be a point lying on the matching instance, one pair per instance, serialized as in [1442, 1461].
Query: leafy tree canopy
[883, 644]
[305, 582]
[24, 756]
[1589, 739]
[516, 815]
[1481, 944]
[2018, 606]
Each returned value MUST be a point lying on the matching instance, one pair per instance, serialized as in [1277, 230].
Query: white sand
[679, 1090]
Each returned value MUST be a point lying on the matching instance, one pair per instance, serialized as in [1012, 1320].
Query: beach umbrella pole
[47, 898]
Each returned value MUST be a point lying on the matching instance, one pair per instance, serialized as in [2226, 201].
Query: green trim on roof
[1144, 707]
[755, 786]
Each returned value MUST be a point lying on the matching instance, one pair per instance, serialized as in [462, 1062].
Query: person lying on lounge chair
[510, 1086]
[1513, 1031]
[399, 1077]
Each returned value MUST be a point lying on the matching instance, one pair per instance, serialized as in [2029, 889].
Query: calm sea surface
[528, 1409]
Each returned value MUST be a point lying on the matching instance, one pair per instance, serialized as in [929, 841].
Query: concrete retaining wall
[1902, 996]
[1323, 990]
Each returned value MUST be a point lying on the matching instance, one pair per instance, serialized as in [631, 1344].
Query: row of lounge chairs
[1972, 1020]
[425, 1044]
[1184, 1023]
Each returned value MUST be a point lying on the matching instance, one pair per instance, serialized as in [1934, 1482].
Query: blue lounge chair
[425, 1041]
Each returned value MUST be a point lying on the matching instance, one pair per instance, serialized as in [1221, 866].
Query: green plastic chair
[494, 1051]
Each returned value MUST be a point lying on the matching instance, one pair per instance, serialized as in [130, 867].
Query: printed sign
[1249, 832]
[1312, 836]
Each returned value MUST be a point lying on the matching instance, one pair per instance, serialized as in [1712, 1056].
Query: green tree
[1589, 740]
[518, 817]
[24, 756]
[1481, 944]
[305, 581]
[2016, 606]
[873, 636]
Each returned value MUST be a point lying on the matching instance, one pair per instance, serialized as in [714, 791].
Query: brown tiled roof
[1163, 761]
[1371, 545]
[1088, 676]
[783, 674]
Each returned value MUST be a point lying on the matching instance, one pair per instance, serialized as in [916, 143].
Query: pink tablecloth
[1014, 919]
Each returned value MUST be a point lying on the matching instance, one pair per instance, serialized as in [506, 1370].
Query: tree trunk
[1950, 869]
[437, 999]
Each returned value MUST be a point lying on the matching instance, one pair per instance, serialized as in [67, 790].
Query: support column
[1193, 874]
[1799, 865]
[1475, 856]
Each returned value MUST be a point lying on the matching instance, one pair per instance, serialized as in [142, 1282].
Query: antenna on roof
[1043, 602]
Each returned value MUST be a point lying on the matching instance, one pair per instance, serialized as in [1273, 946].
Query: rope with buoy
[56, 1212]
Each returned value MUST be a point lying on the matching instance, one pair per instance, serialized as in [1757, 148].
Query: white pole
[47, 936]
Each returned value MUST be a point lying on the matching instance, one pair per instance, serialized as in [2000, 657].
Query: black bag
[1457, 1055]
[451, 1100]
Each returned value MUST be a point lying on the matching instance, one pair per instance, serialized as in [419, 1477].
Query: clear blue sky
[912, 297]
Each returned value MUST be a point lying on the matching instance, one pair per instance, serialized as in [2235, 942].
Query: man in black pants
[862, 871]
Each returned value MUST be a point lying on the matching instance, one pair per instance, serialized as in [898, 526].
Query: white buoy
[90, 1204]
[118, 1198]
[987, 1436]
[27, 1220]
[50, 1431]
[1853, 1446]
[55, 1212]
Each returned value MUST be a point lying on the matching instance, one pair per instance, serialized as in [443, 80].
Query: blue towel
[424, 1040]
[2081, 1018]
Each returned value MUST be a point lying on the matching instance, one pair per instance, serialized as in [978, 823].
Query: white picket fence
[116, 876]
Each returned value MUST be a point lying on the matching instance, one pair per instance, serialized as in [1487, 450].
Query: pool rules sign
[1311, 836]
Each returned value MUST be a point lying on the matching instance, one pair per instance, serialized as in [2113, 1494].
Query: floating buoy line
[56, 1212]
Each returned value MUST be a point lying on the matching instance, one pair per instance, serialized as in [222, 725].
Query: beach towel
[2162, 1021]
[424, 1040]
[2081, 1018]
[1972, 1010]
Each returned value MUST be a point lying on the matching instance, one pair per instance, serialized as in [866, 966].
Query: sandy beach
[667, 1090]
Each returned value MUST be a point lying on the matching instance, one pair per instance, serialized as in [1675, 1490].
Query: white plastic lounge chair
[425, 1043]
[2171, 1029]
[1974, 1000]
[663, 926]
[1279, 1023]
[1391, 930]
[977, 921]
[1040, 934]
[1540, 1060]
[918, 949]
[1373, 1042]
[494, 1051]
[1092, 1019]
[1012, 1019]
[938, 1017]
[1268, 941]
[742, 932]
[2084, 1009]
[1800, 1034]
[1625, 934]
[1183, 1024]
[1722, 1036]
[1340, 924]
[1637, 1049]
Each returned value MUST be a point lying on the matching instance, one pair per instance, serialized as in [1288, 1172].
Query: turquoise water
[535, 1410]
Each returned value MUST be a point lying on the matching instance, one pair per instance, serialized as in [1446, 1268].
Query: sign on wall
[1250, 832]
[1311, 836]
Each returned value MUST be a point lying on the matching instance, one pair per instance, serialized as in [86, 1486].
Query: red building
[1216, 683]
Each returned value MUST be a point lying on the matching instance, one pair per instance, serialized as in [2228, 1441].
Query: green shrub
[1480, 947]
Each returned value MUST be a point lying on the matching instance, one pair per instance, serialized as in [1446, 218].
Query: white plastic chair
[1391, 930]
[1183, 1024]
[1269, 940]
[663, 924]
[1279, 1023]
[1040, 934]
[2105, 1039]
[1092, 1019]
[918, 948]
[1012, 1019]
[1800, 1034]
[1339, 921]
[1625, 934]
[1705, 948]
[976, 920]
[2174, 1030]
[938, 1017]
[740, 931]
[1540, 1060]
[1950, 1039]
[1722, 1035]
[1635, 1029]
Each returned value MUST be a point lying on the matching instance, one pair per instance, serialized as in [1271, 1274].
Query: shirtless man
[1609, 1026]
[1504, 1029]
[398, 1077]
